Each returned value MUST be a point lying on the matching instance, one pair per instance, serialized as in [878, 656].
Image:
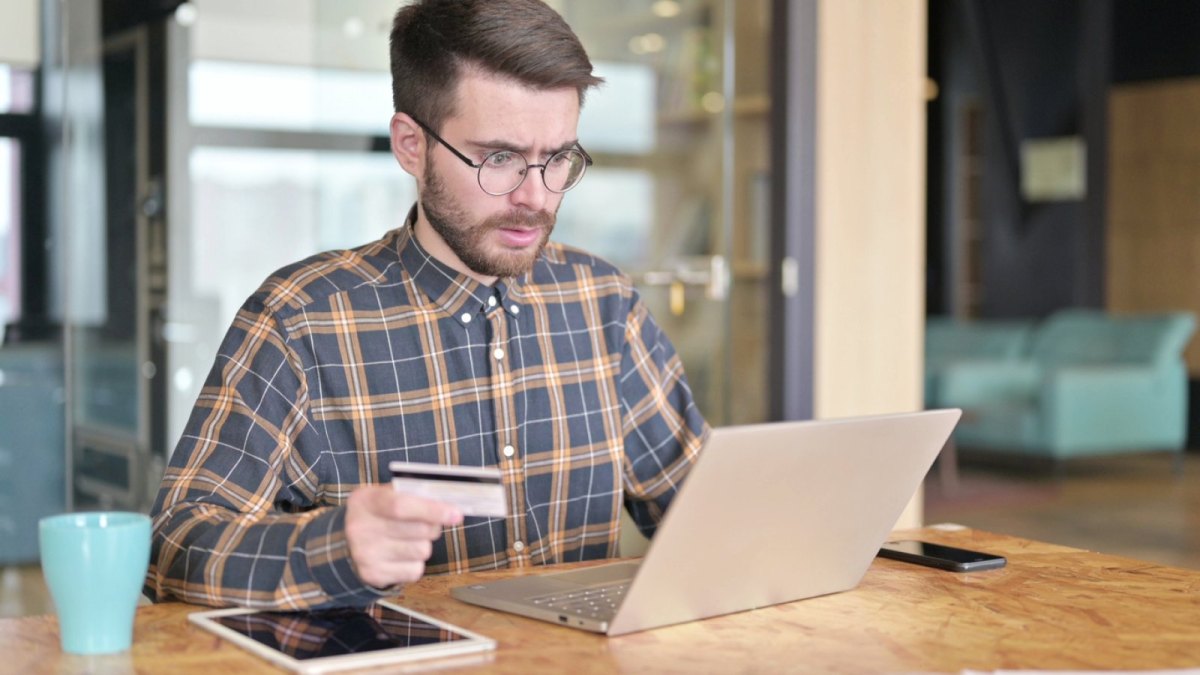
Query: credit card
[475, 490]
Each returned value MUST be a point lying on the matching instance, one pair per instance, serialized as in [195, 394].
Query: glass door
[678, 197]
[108, 384]
[107, 223]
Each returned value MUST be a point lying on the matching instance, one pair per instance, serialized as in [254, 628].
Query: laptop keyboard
[598, 602]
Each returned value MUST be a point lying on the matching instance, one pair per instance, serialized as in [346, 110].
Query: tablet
[321, 641]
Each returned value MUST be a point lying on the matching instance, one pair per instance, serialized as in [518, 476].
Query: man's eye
[501, 159]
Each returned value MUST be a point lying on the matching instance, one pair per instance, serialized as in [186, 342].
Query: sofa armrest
[1115, 406]
[972, 384]
[1109, 385]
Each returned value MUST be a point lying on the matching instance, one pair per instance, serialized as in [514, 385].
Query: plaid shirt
[344, 362]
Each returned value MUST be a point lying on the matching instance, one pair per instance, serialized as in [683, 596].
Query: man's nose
[532, 193]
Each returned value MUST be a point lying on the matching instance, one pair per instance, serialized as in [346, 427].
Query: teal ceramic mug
[95, 565]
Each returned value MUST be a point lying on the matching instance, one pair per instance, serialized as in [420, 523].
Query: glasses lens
[564, 170]
[502, 172]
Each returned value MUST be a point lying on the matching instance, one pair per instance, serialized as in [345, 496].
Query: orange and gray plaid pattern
[349, 360]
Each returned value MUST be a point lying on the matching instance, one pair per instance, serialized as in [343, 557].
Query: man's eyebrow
[491, 146]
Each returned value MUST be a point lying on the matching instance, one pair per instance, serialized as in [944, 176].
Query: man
[463, 338]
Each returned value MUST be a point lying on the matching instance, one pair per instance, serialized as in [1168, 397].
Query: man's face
[496, 236]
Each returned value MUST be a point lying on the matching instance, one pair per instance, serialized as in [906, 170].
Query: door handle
[711, 272]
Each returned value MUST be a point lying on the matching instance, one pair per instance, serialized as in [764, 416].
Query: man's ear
[408, 144]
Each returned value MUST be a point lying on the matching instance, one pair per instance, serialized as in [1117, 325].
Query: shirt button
[518, 546]
[499, 353]
[466, 318]
[492, 301]
[515, 309]
[509, 450]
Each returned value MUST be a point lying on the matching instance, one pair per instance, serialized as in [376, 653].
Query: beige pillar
[870, 210]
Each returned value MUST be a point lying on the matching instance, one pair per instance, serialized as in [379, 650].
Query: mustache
[525, 220]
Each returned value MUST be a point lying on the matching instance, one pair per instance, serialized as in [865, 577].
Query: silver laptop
[770, 513]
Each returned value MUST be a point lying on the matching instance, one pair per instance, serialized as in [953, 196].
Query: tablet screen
[337, 632]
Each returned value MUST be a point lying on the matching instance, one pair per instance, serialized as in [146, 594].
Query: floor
[1135, 506]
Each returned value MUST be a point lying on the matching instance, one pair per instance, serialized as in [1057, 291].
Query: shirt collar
[457, 294]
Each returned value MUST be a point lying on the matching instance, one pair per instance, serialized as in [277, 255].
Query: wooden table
[1052, 607]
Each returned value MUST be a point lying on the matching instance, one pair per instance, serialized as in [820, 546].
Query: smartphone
[941, 557]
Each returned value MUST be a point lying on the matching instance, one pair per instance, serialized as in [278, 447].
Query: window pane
[255, 210]
[588, 218]
[289, 98]
[10, 232]
[620, 116]
[16, 90]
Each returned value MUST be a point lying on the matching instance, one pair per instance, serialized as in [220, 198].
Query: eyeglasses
[503, 171]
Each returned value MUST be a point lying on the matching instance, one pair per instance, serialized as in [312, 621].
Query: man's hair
[434, 41]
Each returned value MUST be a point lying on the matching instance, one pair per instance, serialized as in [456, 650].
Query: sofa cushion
[1081, 337]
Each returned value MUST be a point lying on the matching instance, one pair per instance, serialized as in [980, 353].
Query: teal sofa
[950, 341]
[1089, 383]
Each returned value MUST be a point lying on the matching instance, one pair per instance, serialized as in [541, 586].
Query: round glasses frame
[524, 173]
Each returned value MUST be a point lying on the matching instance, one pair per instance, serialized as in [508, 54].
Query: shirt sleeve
[237, 520]
[664, 429]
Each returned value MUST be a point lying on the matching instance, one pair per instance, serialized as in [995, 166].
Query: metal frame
[133, 448]
[793, 205]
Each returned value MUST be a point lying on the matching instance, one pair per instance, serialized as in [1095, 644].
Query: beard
[469, 241]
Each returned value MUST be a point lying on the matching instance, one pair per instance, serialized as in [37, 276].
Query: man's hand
[391, 534]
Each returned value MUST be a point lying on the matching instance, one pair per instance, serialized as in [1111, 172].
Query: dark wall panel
[1156, 39]
[1032, 65]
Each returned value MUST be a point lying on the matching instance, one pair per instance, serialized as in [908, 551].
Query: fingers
[385, 502]
[412, 550]
[405, 507]
[384, 563]
[390, 535]
[409, 529]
